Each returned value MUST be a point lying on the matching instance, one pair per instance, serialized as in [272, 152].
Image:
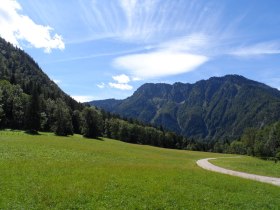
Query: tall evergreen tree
[63, 125]
[2, 114]
[76, 121]
[33, 112]
[91, 122]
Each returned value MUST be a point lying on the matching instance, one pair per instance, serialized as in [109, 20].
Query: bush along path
[203, 163]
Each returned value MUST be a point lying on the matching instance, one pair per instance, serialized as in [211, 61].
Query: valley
[139, 104]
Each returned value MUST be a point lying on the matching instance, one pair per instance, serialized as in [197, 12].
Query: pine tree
[91, 123]
[63, 125]
[2, 113]
[33, 113]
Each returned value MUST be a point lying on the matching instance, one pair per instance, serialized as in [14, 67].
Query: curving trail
[203, 163]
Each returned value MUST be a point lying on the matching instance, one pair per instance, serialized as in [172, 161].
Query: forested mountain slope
[19, 68]
[219, 108]
[30, 101]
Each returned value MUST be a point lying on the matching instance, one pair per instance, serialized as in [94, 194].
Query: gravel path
[203, 163]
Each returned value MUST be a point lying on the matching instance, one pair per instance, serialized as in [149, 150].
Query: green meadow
[50, 172]
[250, 165]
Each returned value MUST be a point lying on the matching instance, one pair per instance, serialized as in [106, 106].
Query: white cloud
[136, 79]
[159, 63]
[82, 98]
[137, 13]
[57, 81]
[101, 85]
[123, 79]
[174, 57]
[192, 42]
[121, 82]
[15, 27]
[149, 21]
[120, 86]
[264, 48]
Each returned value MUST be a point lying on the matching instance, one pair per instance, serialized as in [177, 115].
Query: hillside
[19, 68]
[219, 108]
[29, 100]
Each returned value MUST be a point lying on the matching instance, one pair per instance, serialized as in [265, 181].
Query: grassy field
[250, 165]
[49, 172]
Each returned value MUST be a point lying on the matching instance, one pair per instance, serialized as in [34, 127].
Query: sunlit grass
[50, 172]
[251, 165]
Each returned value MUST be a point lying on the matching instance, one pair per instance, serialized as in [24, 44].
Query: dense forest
[263, 142]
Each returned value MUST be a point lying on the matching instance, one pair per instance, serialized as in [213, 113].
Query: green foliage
[2, 114]
[277, 156]
[63, 121]
[13, 105]
[76, 121]
[51, 172]
[264, 143]
[91, 122]
[237, 147]
[135, 132]
[33, 112]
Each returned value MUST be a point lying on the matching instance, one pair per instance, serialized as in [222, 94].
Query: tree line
[264, 143]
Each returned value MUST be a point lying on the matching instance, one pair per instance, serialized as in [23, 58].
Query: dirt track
[203, 163]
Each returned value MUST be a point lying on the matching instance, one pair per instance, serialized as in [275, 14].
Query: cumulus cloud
[120, 86]
[123, 79]
[121, 82]
[16, 27]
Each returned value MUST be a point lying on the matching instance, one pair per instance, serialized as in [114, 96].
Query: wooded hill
[219, 108]
[30, 101]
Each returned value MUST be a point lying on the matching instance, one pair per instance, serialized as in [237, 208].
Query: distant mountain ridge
[213, 109]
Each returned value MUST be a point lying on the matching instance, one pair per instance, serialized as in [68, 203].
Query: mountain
[219, 108]
[107, 104]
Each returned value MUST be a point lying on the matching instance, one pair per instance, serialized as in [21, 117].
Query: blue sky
[97, 49]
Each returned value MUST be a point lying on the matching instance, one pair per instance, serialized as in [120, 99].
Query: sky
[99, 49]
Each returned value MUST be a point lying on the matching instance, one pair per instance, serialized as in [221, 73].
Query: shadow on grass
[95, 138]
[32, 132]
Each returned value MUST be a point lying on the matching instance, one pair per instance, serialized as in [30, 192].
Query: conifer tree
[33, 112]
